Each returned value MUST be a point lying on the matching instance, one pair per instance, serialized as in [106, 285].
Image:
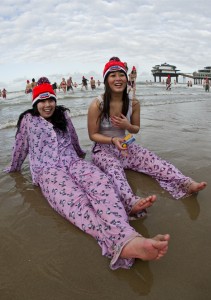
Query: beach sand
[42, 256]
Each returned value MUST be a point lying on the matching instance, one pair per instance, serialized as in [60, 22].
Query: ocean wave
[13, 122]
[147, 102]
[8, 124]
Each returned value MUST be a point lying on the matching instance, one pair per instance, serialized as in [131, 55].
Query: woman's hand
[120, 122]
[117, 142]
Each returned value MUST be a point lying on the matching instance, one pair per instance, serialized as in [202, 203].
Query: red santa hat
[42, 92]
[114, 66]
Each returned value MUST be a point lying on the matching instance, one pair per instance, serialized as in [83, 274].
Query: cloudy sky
[72, 37]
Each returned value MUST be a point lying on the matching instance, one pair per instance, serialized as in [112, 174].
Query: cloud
[49, 37]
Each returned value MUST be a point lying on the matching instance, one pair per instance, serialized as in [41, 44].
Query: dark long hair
[105, 112]
[58, 118]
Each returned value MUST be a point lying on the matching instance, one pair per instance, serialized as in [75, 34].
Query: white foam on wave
[8, 124]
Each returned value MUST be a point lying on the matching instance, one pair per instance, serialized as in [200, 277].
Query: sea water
[154, 98]
[79, 101]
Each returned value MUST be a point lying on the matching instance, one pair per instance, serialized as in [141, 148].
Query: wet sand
[45, 257]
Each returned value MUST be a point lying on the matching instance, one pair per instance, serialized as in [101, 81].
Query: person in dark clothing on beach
[55, 86]
[84, 83]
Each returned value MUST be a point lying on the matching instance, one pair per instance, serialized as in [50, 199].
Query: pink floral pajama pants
[113, 162]
[85, 196]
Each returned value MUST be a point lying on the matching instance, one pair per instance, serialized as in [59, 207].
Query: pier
[165, 69]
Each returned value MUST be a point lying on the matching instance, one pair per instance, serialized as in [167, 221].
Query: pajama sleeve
[20, 148]
[74, 138]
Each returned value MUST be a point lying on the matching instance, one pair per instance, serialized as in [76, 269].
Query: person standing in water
[63, 85]
[132, 81]
[69, 84]
[92, 84]
[28, 88]
[207, 84]
[84, 83]
[4, 93]
[168, 83]
[33, 83]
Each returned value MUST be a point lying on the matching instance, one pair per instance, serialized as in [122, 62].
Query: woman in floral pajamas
[109, 117]
[75, 188]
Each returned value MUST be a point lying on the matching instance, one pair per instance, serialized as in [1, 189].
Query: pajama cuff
[125, 263]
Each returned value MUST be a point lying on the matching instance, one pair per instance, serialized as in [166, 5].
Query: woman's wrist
[133, 128]
[112, 140]
[129, 127]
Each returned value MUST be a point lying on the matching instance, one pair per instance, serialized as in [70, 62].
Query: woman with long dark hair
[110, 116]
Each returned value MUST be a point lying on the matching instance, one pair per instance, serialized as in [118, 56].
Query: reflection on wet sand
[192, 206]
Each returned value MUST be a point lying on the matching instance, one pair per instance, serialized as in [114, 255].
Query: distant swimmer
[54, 86]
[206, 84]
[28, 88]
[63, 85]
[92, 83]
[132, 81]
[4, 93]
[69, 84]
[33, 83]
[84, 83]
[126, 67]
[168, 83]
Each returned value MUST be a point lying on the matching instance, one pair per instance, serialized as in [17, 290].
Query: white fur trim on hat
[43, 96]
[114, 69]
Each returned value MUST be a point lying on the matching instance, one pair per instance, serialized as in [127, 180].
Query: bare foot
[146, 249]
[143, 204]
[196, 187]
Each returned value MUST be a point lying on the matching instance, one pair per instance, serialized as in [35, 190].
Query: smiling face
[117, 81]
[46, 107]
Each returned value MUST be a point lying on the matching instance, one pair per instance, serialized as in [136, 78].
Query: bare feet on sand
[195, 187]
[146, 249]
[143, 204]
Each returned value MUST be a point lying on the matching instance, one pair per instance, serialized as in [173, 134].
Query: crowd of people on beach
[96, 196]
[67, 85]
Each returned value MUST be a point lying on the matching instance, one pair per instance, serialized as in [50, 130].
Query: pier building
[164, 70]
